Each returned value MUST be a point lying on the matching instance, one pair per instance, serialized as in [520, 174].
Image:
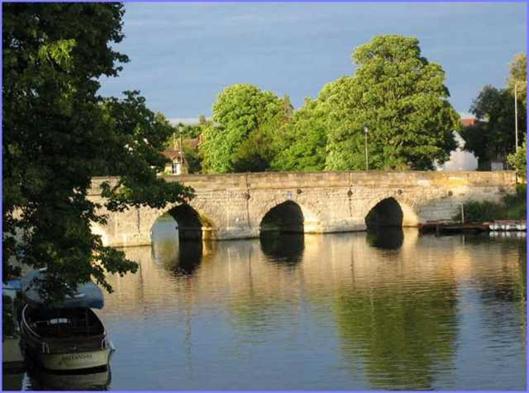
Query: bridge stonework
[232, 206]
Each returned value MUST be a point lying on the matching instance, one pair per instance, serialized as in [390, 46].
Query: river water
[392, 310]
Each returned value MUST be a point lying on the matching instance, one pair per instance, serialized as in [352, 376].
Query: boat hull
[75, 360]
[82, 380]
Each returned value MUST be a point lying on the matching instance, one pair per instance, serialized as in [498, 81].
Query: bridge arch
[286, 215]
[191, 224]
[390, 211]
[281, 231]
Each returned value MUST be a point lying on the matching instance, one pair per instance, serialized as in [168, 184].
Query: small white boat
[507, 225]
[68, 336]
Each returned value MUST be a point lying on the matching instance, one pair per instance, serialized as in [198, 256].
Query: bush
[512, 207]
[481, 211]
[518, 160]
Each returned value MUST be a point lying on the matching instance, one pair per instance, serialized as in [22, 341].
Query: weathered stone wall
[232, 206]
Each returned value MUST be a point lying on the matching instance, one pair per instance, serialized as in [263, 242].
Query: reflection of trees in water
[257, 313]
[403, 335]
[386, 238]
[509, 283]
[285, 249]
[506, 288]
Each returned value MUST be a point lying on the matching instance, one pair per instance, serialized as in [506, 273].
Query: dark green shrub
[512, 207]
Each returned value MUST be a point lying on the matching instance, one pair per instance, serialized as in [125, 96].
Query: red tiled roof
[469, 121]
[171, 154]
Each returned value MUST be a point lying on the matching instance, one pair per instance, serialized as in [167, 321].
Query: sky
[183, 54]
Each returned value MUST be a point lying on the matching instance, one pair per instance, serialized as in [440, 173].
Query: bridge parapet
[232, 205]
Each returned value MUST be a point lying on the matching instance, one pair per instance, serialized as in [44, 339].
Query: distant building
[460, 160]
[178, 164]
[469, 121]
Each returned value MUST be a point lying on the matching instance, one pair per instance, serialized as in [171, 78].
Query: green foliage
[188, 130]
[516, 204]
[301, 143]
[494, 137]
[402, 100]
[518, 160]
[481, 211]
[518, 77]
[233, 141]
[58, 133]
[193, 159]
[512, 207]
[397, 94]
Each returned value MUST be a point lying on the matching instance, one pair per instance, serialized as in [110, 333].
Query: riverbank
[451, 227]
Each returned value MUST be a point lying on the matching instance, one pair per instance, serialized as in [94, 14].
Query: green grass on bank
[512, 207]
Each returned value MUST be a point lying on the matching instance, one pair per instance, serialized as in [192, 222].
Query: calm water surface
[342, 311]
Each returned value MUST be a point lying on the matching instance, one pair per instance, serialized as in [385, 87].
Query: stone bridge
[235, 206]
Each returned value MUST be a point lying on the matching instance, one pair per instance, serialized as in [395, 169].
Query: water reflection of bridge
[331, 261]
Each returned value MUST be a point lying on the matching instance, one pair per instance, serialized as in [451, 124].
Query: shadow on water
[385, 238]
[181, 256]
[285, 249]
[188, 259]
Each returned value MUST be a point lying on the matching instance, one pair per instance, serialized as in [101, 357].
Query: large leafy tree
[493, 138]
[302, 141]
[58, 133]
[402, 100]
[240, 114]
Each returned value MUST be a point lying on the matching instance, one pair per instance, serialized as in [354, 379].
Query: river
[392, 310]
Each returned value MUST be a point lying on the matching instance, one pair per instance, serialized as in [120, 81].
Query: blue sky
[183, 54]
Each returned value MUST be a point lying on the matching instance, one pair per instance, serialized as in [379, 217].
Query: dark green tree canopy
[58, 133]
[493, 138]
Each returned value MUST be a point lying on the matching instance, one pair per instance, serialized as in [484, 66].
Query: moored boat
[68, 336]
